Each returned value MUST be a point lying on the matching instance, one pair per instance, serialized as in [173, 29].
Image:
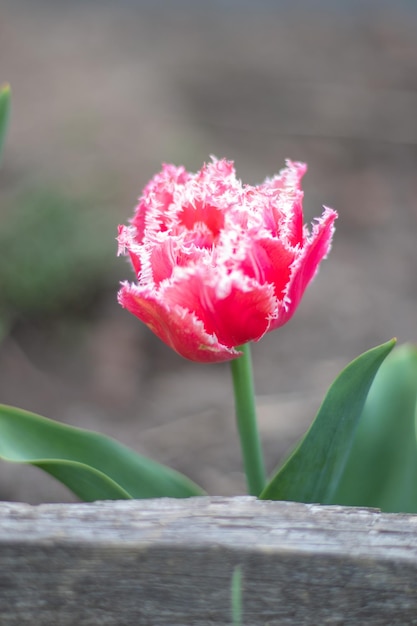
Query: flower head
[219, 263]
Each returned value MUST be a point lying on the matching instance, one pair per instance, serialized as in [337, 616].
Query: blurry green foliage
[58, 252]
[4, 114]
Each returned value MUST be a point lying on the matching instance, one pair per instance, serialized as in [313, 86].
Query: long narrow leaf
[4, 114]
[313, 471]
[382, 467]
[86, 482]
[91, 465]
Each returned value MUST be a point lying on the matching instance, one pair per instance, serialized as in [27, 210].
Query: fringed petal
[306, 264]
[234, 308]
[176, 326]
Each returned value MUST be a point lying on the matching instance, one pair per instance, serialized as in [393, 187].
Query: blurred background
[103, 92]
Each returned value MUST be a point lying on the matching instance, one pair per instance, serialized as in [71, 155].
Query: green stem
[246, 421]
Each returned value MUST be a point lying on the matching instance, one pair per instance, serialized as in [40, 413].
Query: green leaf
[313, 471]
[93, 466]
[4, 114]
[382, 467]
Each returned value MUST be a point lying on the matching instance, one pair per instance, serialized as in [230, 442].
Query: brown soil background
[104, 92]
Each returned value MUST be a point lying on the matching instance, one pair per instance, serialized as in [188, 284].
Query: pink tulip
[219, 263]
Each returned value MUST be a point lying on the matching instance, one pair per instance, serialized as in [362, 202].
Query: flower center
[200, 217]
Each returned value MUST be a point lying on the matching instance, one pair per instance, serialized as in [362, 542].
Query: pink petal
[125, 239]
[163, 260]
[156, 199]
[269, 261]
[306, 265]
[177, 327]
[289, 178]
[240, 316]
[283, 214]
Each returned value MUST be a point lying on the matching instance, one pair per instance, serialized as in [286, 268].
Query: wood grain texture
[170, 562]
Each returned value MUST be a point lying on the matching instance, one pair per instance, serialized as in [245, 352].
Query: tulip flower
[218, 263]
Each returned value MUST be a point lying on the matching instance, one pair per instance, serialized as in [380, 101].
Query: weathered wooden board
[170, 562]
